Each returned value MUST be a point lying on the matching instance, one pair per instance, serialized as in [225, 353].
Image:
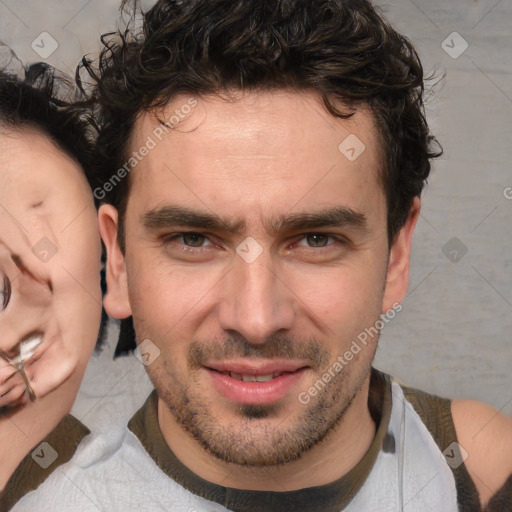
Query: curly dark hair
[342, 49]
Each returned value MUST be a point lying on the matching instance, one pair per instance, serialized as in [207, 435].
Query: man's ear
[397, 280]
[116, 301]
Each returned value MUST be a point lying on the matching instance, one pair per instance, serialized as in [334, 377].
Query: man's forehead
[273, 117]
[254, 146]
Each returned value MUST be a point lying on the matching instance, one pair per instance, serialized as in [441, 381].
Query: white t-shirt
[132, 469]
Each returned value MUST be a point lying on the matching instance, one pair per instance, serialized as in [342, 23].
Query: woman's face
[50, 297]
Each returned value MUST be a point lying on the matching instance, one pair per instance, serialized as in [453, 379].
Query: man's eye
[5, 292]
[190, 239]
[317, 240]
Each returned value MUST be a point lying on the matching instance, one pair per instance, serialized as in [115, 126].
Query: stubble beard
[258, 438]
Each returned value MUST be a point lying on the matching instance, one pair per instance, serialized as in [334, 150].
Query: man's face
[256, 253]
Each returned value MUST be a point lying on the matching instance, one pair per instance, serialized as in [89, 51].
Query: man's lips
[256, 367]
[255, 382]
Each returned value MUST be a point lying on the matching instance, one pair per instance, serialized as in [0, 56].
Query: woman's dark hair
[342, 49]
[43, 100]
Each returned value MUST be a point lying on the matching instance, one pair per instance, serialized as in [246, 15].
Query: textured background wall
[454, 335]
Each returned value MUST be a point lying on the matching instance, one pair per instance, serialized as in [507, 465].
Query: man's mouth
[254, 378]
[255, 382]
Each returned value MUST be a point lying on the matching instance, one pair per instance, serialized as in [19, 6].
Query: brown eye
[317, 240]
[188, 239]
[193, 239]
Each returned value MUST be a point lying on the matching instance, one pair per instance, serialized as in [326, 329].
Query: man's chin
[249, 434]
[257, 450]
[252, 435]
[258, 412]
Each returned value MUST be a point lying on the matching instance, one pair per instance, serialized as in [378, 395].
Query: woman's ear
[116, 301]
[397, 280]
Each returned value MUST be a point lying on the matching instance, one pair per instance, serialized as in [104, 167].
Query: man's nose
[256, 301]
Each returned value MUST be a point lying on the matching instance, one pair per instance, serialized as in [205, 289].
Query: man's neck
[329, 460]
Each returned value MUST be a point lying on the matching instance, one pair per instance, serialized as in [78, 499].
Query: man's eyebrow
[166, 216]
[338, 216]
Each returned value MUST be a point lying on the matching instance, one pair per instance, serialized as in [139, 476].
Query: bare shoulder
[486, 435]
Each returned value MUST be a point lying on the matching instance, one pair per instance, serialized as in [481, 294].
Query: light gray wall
[454, 334]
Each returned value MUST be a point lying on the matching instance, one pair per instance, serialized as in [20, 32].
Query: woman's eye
[5, 292]
[317, 240]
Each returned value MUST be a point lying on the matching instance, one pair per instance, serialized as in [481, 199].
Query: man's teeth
[254, 378]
